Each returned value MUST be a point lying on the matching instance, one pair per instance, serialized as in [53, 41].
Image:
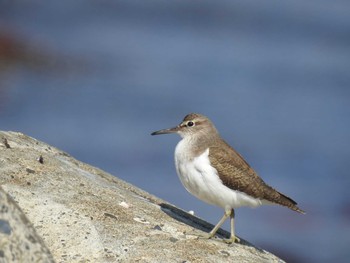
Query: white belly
[202, 180]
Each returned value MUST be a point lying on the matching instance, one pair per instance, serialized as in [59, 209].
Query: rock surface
[19, 241]
[86, 215]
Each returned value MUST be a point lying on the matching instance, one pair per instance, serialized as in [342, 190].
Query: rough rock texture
[86, 215]
[18, 240]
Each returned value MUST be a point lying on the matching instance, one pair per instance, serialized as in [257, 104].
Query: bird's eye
[190, 123]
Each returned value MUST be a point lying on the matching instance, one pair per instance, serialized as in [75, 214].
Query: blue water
[95, 78]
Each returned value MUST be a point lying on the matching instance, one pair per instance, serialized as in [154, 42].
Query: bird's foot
[205, 236]
[232, 239]
[200, 235]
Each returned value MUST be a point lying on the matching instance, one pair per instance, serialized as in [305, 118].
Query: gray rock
[19, 241]
[86, 215]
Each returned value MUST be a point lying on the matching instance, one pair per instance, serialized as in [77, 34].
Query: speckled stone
[19, 241]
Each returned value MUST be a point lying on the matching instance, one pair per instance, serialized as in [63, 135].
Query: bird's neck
[193, 146]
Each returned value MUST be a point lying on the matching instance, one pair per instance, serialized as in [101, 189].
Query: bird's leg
[228, 213]
[218, 225]
[233, 237]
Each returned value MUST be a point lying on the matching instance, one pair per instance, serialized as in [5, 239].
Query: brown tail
[276, 197]
[289, 202]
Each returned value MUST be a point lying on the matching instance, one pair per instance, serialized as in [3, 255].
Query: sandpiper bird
[214, 172]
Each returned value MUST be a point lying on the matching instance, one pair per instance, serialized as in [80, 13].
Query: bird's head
[193, 125]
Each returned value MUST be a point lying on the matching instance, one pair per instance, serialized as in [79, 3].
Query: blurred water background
[95, 78]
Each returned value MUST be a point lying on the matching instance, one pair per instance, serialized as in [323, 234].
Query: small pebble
[173, 239]
[110, 215]
[157, 227]
[5, 142]
[224, 253]
[123, 204]
[141, 220]
[30, 171]
[41, 159]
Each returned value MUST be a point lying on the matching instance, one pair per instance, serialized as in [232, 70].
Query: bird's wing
[237, 174]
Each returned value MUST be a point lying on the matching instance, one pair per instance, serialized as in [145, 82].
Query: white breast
[201, 179]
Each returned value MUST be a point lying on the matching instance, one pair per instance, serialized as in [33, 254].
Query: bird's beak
[166, 131]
